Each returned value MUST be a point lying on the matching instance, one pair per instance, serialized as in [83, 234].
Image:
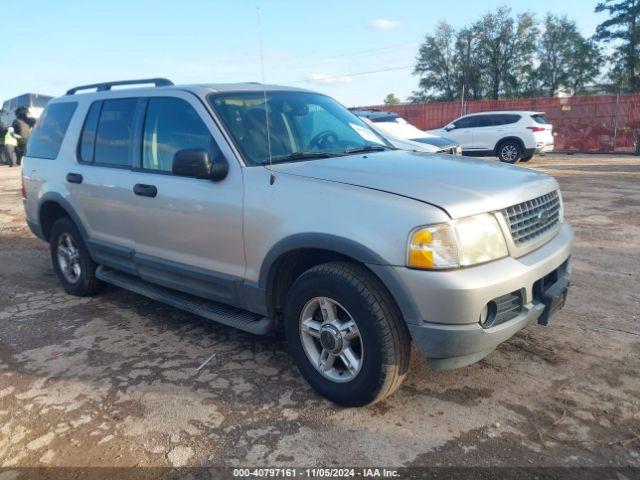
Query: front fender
[349, 248]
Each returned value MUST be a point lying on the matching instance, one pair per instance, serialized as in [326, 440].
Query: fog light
[488, 314]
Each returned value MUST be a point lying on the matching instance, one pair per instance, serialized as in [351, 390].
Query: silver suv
[270, 208]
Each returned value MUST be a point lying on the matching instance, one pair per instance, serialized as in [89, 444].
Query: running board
[218, 312]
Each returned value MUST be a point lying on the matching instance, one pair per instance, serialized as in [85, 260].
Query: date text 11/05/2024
[316, 472]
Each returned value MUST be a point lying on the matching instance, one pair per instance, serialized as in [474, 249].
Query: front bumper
[545, 148]
[448, 303]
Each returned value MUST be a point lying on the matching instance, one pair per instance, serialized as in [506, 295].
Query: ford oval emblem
[542, 217]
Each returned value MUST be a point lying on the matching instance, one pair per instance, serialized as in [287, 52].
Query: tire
[509, 151]
[526, 157]
[383, 342]
[81, 282]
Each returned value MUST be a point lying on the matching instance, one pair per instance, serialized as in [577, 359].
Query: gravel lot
[114, 380]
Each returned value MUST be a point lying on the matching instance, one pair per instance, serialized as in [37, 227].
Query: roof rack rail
[105, 86]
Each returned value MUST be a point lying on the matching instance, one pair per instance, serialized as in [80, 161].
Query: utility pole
[465, 84]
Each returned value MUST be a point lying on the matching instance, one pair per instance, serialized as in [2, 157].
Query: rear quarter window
[88, 136]
[47, 136]
[540, 119]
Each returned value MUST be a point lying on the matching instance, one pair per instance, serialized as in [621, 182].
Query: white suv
[511, 136]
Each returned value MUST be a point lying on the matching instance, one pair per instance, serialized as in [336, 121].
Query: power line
[401, 46]
[372, 50]
[357, 74]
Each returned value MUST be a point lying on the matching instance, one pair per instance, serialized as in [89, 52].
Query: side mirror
[195, 162]
[449, 127]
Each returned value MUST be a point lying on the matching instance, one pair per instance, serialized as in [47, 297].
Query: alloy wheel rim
[69, 258]
[331, 339]
[509, 152]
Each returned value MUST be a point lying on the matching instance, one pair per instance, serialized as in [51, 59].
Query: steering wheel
[322, 139]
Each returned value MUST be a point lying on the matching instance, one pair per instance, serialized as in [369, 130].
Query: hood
[411, 145]
[401, 130]
[461, 186]
[437, 132]
[402, 143]
[440, 142]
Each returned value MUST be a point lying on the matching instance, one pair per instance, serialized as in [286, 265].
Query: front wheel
[346, 334]
[526, 157]
[510, 151]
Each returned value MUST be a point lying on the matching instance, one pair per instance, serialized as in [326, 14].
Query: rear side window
[46, 139]
[115, 133]
[539, 118]
[509, 119]
[172, 124]
[88, 137]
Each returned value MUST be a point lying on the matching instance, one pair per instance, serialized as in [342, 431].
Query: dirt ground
[114, 380]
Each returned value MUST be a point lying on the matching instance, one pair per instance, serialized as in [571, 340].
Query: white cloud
[328, 79]
[384, 24]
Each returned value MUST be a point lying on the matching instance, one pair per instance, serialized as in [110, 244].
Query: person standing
[22, 128]
[10, 146]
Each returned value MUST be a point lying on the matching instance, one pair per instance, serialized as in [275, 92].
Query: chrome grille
[533, 218]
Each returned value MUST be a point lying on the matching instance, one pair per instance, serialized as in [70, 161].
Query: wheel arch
[507, 139]
[291, 256]
[52, 207]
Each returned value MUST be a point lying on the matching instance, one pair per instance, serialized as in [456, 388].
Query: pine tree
[622, 29]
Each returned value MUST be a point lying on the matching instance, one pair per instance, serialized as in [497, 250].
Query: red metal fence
[607, 123]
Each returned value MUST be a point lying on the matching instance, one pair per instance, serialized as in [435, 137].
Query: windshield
[302, 126]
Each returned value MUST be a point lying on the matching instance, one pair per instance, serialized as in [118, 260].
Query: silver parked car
[271, 208]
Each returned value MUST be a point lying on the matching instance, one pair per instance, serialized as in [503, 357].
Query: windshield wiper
[367, 148]
[300, 156]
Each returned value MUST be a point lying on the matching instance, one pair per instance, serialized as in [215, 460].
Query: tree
[505, 48]
[438, 66]
[505, 56]
[584, 66]
[566, 59]
[622, 29]
[391, 99]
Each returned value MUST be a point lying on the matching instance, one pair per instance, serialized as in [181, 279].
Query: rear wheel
[510, 151]
[346, 334]
[71, 260]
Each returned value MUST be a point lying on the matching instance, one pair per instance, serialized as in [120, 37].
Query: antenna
[272, 178]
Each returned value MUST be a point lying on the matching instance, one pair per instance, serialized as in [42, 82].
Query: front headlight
[461, 243]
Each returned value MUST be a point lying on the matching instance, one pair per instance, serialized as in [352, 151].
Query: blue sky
[50, 46]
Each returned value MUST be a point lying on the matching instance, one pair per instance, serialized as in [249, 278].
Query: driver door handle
[145, 190]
